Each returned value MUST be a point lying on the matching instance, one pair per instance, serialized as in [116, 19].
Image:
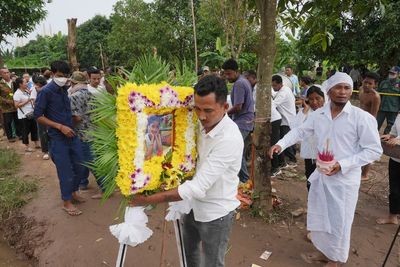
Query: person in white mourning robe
[354, 140]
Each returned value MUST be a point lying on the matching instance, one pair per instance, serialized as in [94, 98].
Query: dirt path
[62, 240]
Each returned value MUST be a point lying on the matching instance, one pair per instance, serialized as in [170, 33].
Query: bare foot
[389, 220]
[77, 198]
[309, 236]
[364, 178]
[313, 257]
[331, 264]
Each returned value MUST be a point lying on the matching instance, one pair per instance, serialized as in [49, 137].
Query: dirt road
[56, 239]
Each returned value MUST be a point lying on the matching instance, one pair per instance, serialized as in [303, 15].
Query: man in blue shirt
[294, 79]
[53, 109]
[242, 110]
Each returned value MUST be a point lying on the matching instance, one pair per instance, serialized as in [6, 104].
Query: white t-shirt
[97, 90]
[285, 104]
[27, 108]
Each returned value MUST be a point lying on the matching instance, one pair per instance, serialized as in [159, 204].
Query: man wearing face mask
[53, 109]
[390, 105]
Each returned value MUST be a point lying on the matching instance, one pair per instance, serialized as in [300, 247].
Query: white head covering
[338, 77]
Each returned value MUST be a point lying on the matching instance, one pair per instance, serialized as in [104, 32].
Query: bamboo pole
[194, 36]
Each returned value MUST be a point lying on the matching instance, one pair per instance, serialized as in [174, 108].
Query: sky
[59, 10]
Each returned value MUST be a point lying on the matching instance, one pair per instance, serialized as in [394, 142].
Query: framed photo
[156, 138]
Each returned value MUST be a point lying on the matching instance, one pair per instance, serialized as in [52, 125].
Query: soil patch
[61, 240]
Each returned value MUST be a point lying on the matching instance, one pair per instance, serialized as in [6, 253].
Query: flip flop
[97, 196]
[72, 212]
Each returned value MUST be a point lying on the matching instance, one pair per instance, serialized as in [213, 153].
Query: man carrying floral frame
[213, 189]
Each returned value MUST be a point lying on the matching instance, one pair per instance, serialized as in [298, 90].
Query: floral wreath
[163, 171]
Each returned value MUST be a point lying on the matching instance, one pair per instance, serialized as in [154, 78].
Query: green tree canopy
[19, 17]
[90, 36]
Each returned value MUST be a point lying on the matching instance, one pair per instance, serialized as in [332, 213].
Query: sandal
[73, 211]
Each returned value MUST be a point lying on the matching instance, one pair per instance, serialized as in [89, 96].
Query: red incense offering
[325, 160]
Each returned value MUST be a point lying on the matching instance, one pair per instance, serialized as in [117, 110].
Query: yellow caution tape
[381, 93]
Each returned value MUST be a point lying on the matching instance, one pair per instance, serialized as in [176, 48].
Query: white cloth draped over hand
[134, 230]
[177, 209]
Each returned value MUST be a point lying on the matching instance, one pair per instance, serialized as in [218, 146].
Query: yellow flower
[128, 136]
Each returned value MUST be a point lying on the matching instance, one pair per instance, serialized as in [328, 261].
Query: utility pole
[194, 36]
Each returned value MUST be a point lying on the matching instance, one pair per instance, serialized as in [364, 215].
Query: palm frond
[185, 76]
[148, 69]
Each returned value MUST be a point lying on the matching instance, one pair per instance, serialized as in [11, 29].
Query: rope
[381, 93]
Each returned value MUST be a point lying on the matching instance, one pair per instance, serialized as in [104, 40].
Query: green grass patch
[9, 162]
[14, 191]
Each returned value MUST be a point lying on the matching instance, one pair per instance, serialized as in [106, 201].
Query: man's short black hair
[212, 84]
[93, 70]
[372, 75]
[60, 66]
[41, 80]
[288, 67]
[307, 80]
[277, 79]
[251, 73]
[230, 64]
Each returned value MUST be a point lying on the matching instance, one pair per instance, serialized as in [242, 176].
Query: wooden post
[102, 57]
[262, 129]
[72, 44]
[194, 37]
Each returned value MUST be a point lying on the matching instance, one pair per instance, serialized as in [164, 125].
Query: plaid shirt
[6, 98]
[80, 106]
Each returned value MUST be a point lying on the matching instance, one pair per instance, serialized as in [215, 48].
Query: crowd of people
[54, 108]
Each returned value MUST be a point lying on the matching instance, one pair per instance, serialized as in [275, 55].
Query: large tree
[19, 18]
[131, 31]
[368, 39]
[91, 42]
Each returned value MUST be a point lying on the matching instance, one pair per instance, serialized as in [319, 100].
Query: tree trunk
[72, 44]
[194, 37]
[262, 131]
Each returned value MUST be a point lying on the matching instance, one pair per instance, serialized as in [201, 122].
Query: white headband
[338, 77]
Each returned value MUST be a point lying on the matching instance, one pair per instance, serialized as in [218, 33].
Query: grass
[14, 192]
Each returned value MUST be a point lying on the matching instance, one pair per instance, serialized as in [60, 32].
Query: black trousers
[9, 119]
[44, 139]
[310, 166]
[29, 126]
[390, 119]
[275, 136]
[394, 187]
[289, 152]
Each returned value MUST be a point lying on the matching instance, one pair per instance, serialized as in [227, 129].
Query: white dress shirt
[213, 189]
[286, 105]
[308, 147]
[275, 115]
